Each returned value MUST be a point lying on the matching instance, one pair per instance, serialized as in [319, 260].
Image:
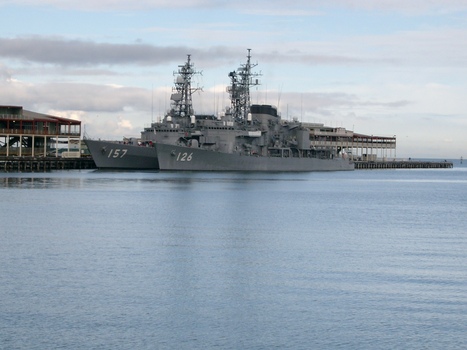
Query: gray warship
[247, 137]
[141, 154]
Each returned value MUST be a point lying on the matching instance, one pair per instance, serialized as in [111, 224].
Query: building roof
[373, 137]
[17, 111]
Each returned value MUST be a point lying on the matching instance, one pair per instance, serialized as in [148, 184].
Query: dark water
[147, 260]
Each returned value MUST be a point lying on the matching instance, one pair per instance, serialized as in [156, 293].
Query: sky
[383, 68]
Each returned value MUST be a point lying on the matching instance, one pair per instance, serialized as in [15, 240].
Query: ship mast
[239, 90]
[182, 103]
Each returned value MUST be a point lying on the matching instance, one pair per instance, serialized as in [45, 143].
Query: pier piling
[32, 164]
[403, 164]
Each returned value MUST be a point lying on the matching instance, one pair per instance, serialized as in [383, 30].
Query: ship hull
[180, 158]
[113, 155]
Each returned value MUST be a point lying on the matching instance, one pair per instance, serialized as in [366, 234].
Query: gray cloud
[276, 7]
[76, 52]
[113, 99]
[62, 52]
[426, 48]
[5, 73]
[333, 103]
[116, 5]
[320, 59]
[80, 53]
[75, 96]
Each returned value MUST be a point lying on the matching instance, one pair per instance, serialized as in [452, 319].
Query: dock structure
[367, 151]
[370, 147]
[29, 134]
[31, 141]
[403, 164]
[358, 147]
[34, 164]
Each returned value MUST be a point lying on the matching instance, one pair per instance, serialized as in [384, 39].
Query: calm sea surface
[372, 259]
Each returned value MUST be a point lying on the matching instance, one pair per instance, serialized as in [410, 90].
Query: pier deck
[56, 163]
[403, 164]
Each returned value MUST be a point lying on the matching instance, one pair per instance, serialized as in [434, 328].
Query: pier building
[36, 141]
[29, 134]
[359, 147]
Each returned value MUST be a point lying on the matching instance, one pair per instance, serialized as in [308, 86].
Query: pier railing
[28, 132]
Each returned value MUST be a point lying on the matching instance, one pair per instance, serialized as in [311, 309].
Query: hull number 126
[184, 157]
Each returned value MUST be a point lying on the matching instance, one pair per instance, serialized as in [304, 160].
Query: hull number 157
[117, 153]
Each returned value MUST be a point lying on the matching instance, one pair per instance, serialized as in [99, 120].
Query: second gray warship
[245, 138]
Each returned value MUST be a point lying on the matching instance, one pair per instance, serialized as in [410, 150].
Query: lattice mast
[182, 103]
[239, 90]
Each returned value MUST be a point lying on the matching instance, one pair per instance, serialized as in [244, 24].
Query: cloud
[79, 53]
[402, 6]
[76, 115]
[114, 5]
[105, 98]
[60, 51]
[414, 45]
[75, 96]
[5, 73]
[124, 124]
[266, 7]
[420, 48]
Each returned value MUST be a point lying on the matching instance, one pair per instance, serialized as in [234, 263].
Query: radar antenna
[182, 103]
[239, 89]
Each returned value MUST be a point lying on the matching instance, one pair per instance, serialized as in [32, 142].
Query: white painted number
[117, 153]
[184, 157]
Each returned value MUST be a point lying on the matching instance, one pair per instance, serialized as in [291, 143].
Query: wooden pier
[31, 164]
[403, 164]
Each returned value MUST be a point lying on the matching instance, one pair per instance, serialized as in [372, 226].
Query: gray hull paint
[113, 155]
[181, 158]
